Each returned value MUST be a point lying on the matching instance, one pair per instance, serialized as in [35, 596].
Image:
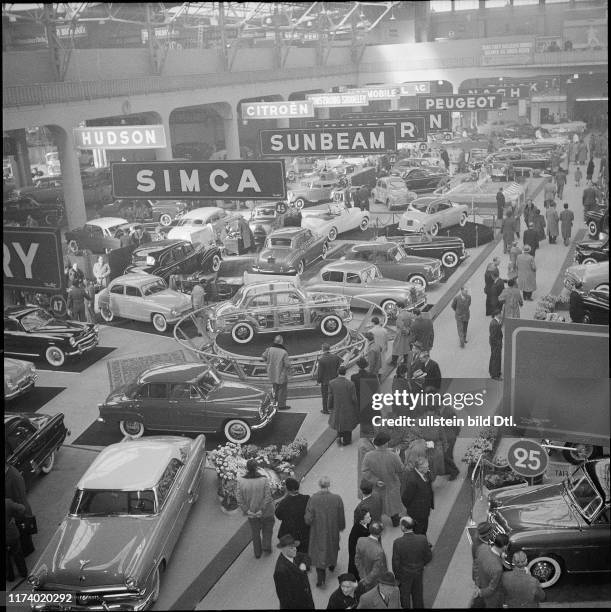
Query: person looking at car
[488, 571]
[76, 301]
[566, 218]
[520, 589]
[461, 305]
[75, 274]
[89, 290]
[198, 303]
[328, 364]
[140, 237]
[101, 272]
[373, 355]
[278, 367]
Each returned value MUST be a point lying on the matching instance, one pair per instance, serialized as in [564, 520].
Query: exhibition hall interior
[306, 305]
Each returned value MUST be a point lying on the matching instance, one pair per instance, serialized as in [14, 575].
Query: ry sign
[32, 258]
[208, 180]
[120, 137]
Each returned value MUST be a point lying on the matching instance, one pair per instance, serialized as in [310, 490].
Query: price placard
[527, 458]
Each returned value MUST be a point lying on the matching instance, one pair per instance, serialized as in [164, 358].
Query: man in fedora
[384, 596]
[291, 580]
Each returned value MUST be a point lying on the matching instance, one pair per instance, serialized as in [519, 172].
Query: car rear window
[107, 502]
[279, 242]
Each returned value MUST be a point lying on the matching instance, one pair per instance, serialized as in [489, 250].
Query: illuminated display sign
[356, 97]
[278, 110]
[120, 137]
[460, 102]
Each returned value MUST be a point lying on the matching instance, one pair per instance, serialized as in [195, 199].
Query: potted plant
[483, 444]
[499, 474]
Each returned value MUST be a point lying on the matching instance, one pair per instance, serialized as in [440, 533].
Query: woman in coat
[590, 169]
[511, 300]
[539, 224]
[527, 273]
[360, 529]
[582, 153]
[552, 223]
[401, 345]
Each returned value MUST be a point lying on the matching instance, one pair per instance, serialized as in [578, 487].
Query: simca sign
[208, 180]
[278, 110]
[356, 97]
[120, 137]
[406, 130]
[328, 141]
[460, 102]
[32, 258]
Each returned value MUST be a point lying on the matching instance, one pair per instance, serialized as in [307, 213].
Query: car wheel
[299, 203]
[434, 229]
[364, 224]
[418, 279]
[583, 452]
[325, 250]
[300, 267]
[589, 260]
[237, 431]
[463, 219]
[156, 237]
[603, 287]
[74, 247]
[587, 319]
[593, 229]
[159, 322]
[165, 219]
[243, 332]
[331, 325]
[106, 313]
[132, 429]
[216, 263]
[547, 570]
[389, 306]
[47, 466]
[449, 259]
[332, 235]
[55, 356]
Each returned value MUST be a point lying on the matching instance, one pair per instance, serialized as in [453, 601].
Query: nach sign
[120, 137]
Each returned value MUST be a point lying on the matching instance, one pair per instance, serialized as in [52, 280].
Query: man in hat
[385, 596]
[461, 305]
[379, 334]
[404, 336]
[482, 537]
[278, 367]
[328, 364]
[292, 584]
[343, 598]
[382, 468]
[371, 503]
[496, 345]
[344, 406]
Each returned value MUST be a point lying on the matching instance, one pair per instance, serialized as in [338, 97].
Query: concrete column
[23, 172]
[165, 154]
[71, 174]
[232, 137]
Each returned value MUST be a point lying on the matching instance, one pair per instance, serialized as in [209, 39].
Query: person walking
[552, 223]
[343, 406]
[461, 305]
[89, 297]
[410, 553]
[328, 364]
[291, 580]
[496, 345]
[519, 588]
[491, 269]
[529, 212]
[500, 205]
[384, 596]
[365, 385]
[578, 175]
[527, 273]
[590, 169]
[549, 189]
[290, 511]
[422, 329]
[494, 290]
[344, 597]
[488, 571]
[373, 355]
[101, 272]
[508, 230]
[401, 346]
[325, 516]
[589, 198]
[418, 496]
[254, 497]
[531, 239]
[566, 217]
[560, 181]
[370, 558]
[360, 529]
[369, 502]
[278, 367]
[512, 270]
[76, 301]
[382, 468]
[511, 300]
[539, 224]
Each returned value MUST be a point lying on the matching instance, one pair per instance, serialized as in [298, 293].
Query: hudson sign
[328, 141]
[120, 137]
[209, 180]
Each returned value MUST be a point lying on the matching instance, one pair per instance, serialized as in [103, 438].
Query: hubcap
[543, 571]
[238, 431]
[132, 427]
[55, 355]
[331, 325]
[242, 332]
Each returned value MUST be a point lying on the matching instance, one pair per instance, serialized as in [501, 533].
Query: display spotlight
[575, 76]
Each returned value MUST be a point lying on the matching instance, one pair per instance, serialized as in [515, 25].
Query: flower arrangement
[499, 474]
[484, 443]
[546, 306]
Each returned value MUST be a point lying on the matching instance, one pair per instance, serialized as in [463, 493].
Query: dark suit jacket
[496, 333]
[292, 586]
[433, 373]
[291, 511]
[487, 575]
[328, 365]
[461, 307]
[371, 600]
[343, 404]
[423, 331]
[531, 238]
[373, 503]
[410, 553]
[417, 495]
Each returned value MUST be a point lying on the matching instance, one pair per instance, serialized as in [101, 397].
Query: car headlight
[96, 329]
[72, 341]
[35, 580]
[32, 369]
[131, 583]
[173, 312]
[10, 385]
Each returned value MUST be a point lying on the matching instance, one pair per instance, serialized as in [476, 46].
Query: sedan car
[30, 331]
[592, 276]
[314, 190]
[593, 307]
[143, 297]
[339, 217]
[127, 514]
[562, 527]
[157, 211]
[393, 262]
[192, 222]
[31, 441]
[290, 250]
[188, 398]
[392, 191]
[17, 209]
[278, 306]
[19, 377]
[423, 180]
[449, 249]
[592, 251]
[364, 284]
[99, 235]
[432, 213]
[265, 217]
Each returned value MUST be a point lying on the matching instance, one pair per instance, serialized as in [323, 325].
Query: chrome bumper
[23, 386]
[266, 420]
[86, 346]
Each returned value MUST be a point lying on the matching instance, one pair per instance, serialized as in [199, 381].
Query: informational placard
[461, 102]
[295, 109]
[32, 258]
[527, 458]
[207, 180]
[415, 89]
[120, 137]
[328, 141]
[440, 121]
[506, 52]
[412, 129]
[382, 92]
[356, 97]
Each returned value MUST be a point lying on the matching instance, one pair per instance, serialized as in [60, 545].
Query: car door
[172, 500]
[116, 295]
[290, 307]
[432, 213]
[190, 259]
[260, 306]
[132, 305]
[152, 399]
[16, 341]
[190, 407]
[445, 215]
[311, 249]
[333, 281]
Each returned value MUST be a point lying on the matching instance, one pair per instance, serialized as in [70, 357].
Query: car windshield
[421, 205]
[155, 287]
[35, 320]
[107, 502]
[113, 228]
[278, 242]
[208, 381]
[583, 493]
[187, 222]
[396, 184]
[238, 296]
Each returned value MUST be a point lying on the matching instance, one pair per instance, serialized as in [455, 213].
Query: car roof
[287, 231]
[105, 222]
[182, 372]
[373, 246]
[161, 245]
[132, 465]
[348, 266]
[135, 279]
[203, 212]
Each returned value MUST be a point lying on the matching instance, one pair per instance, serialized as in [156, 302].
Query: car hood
[15, 367]
[237, 395]
[96, 551]
[61, 329]
[170, 299]
[589, 245]
[318, 218]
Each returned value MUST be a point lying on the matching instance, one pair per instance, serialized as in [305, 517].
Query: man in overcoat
[365, 385]
[461, 305]
[566, 217]
[527, 273]
[552, 223]
[292, 583]
[508, 230]
[423, 330]
[496, 345]
[488, 571]
[325, 515]
[291, 511]
[370, 558]
[278, 367]
[328, 364]
[344, 407]
[418, 495]
[531, 238]
[401, 346]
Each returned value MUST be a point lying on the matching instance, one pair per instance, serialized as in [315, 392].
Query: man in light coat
[527, 273]
[566, 217]
[401, 346]
[325, 515]
[328, 365]
[551, 216]
[379, 335]
[461, 305]
[278, 367]
[344, 407]
[370, 558]
[373, 355]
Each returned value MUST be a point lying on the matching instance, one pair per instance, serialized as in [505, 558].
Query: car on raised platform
[450, 250]
[19, 377]
[143, 297]
[392, 191]
[591, 276]
[431, 214]
[157, 211]
[100, 235]
[127, 513]
[597, 220]
[423, 179]
[592, 251]
[195, 220]
[364, 284]
[278, 306]
[187, 398]
[30, 331]
[339, 217]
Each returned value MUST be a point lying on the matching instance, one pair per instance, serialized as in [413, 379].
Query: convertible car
[392, 191]
[31, 441]
[19, 377]
[143, 297]
[187, 398]
[449, 249]
[482, 194]
[99, 235]
[337, 219]
[30, 331]
[424, 179]
[431, 214]
[278, 306]
[132, 504]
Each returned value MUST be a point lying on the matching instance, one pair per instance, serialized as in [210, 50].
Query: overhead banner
[412, 129]
[207, 180]
[460, 102]
[382, 92]
[356, 97]
[510, 92]
[440, 121]
[507, 52]
[328, 141]
[296, 109]
[415, 89]
[32, 258]
[120, 137]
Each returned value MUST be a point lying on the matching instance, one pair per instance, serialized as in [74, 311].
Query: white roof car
[196, 220]
[107, 222]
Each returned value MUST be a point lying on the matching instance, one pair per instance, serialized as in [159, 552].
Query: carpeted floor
[79, 363]
[34, 400]
[121, 371]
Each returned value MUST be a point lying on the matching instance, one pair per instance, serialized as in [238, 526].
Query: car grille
[496, 529]
[87, 341]
[89, 599]
[26, 381]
